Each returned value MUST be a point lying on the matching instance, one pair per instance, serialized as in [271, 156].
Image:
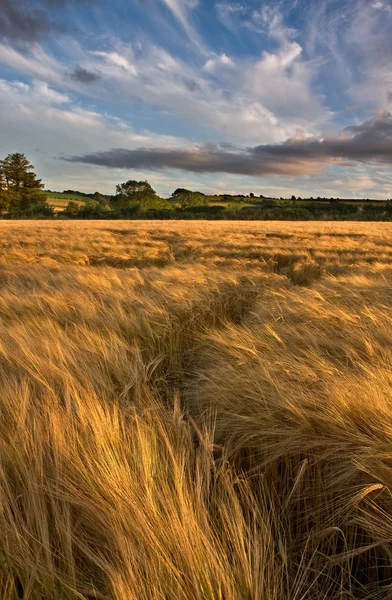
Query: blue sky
[277, 97]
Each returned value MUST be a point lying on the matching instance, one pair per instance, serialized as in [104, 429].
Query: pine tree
[19, 187]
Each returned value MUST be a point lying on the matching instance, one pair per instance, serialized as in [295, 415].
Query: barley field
[195, 411]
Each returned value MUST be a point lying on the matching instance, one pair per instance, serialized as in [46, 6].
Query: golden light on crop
[195, 411]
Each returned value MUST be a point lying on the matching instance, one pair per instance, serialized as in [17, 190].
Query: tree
[101, 199]
[134, 193]
[181, 191]
[188, 199]
[19, 187]
[72, 208]
[18, 173]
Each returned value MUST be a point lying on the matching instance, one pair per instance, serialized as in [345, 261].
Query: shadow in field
[300, 270]
[229, 303]
[129, 263]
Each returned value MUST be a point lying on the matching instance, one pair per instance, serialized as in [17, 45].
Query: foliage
[72, 208]
[138, 200]
[136, 193]
[20, 190]
[181, 191]
[188, 199]
[232, 206]
[91, 209]
[102, 199]
[38, 210]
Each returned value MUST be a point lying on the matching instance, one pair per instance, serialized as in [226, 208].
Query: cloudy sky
[277, 97]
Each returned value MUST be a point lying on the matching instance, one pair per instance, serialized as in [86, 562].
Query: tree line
[22, 196]
[21, 193]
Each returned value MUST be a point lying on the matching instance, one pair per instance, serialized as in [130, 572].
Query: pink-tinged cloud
[370, 142]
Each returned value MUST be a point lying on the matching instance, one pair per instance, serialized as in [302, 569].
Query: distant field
[62, 196]
[59, 200]
[195, 411]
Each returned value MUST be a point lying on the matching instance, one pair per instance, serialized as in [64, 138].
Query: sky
[274, 97]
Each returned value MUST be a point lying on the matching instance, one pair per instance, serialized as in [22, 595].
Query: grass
[195, 411]
[65, 196]
[60, 200]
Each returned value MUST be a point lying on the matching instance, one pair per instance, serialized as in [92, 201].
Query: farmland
[195, 411]
[60, 200]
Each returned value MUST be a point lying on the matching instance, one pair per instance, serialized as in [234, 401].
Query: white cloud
[270, 20]
[238, 100]
[267, 97]
[382, 5]
[181, 10]
[222, 60]
[61, 128]
[45, 94]
[118, 61]
[355, 38]
[36, 63]
[263, 97]
[38, 92]
[229, 12]
[234, 8]
[45, 132]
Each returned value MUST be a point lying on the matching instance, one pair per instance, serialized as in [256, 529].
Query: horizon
[280, 98]
[255, 196]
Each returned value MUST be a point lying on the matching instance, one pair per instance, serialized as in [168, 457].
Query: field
[59, 200]
[195, 411]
